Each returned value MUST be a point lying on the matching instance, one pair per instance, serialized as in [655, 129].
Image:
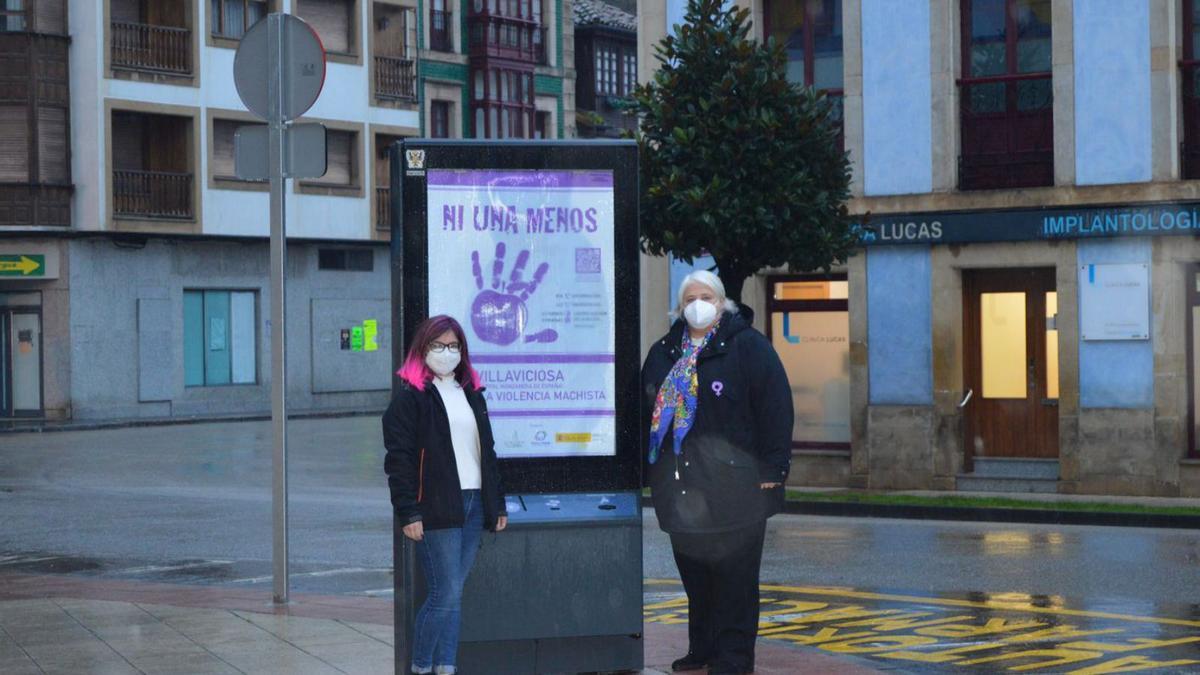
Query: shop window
[222, 164]
[1192, 325]
[1006, 94]
[232, 18]
[220, 342]
[809, 324]
[346, 259]
[811, 34]
[333, 20]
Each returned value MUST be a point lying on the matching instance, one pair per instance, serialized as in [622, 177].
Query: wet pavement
[189, 506]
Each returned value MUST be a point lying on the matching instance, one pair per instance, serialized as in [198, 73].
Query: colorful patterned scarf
[677, 397]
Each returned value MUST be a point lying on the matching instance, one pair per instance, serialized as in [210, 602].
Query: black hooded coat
[740, 439]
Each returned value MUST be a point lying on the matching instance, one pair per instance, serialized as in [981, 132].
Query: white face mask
[442, 363]
[700, 314]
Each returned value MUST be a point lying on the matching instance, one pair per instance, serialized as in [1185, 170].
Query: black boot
[689, 662]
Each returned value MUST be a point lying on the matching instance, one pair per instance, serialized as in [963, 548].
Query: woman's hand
[768, 486]
[501, 523]
[415, 531]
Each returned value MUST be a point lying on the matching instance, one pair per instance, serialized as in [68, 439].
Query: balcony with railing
[395, 78]
[152, 194]
[145, 47]
[1007, 132]
[507, 38]
[441, 26]
[383, 211]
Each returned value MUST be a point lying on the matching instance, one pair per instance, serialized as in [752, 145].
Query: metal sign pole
[279, 548]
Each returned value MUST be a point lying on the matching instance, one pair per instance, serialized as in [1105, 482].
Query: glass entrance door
[25, 340]
[21, 354]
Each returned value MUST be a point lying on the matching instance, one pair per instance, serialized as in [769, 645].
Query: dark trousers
[720, 574]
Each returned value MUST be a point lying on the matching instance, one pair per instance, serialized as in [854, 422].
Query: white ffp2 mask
[442, 363]
[700, 314]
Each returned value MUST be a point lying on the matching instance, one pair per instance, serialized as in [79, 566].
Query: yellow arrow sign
[20, 265]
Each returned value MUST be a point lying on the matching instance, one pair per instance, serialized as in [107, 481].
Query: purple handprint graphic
[498, 313]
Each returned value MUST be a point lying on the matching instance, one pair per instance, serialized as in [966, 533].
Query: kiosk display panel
[533, 247]
[526, 258]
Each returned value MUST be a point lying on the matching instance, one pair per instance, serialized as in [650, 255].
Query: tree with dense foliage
[737, 161]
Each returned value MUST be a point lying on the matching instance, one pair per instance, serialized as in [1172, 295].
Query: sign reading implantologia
[525, 260]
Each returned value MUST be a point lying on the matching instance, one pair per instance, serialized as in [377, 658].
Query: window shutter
[14, 144]
[54, 136]
[331, 19]
[340, 147]
[222, 157]
[127, 142]
[50, 17]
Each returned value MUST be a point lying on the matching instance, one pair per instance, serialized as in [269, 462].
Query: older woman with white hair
[718, 445]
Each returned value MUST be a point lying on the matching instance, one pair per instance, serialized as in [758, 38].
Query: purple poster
[524, 259]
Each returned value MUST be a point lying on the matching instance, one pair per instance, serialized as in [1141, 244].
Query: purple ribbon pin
[718, 387]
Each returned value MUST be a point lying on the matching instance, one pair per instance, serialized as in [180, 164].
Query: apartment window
[606, 70]
[541, 122]
[394, 51]
[154, 37]
[809, 324]
[12, 16]
[152, 166]
[1190, 83]
[341, 149]
[811, 34]
[51, 129]
[232, 18]
[441, 27]
[333, 20]
[220, 338]
[346, 259]
[222, 164]
[1007, 116]
[503, 103]
[35, 156]
[629, 81]
[383, 181]
[33, 16]
[439, 119]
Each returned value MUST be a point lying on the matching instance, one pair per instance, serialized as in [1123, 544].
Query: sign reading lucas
[525, 258]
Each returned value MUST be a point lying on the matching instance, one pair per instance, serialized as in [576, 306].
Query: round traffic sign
[301, 68]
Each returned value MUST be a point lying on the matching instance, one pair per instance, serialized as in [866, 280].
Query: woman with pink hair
[442, 471]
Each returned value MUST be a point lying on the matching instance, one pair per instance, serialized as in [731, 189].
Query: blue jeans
[446, 557]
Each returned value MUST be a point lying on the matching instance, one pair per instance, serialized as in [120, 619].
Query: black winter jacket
[421, 469]
[741, 437]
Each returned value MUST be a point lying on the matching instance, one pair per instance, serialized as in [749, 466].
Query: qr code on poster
[587, 261]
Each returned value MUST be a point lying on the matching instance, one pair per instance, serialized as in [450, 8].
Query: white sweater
[464, 432]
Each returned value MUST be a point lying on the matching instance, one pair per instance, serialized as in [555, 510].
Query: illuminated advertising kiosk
[533, 247]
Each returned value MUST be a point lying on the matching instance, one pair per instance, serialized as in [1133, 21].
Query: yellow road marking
[949, 602]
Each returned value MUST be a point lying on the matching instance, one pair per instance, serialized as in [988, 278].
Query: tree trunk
[733, 277]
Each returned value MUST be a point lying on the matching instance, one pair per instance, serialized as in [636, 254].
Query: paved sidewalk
[70, 624]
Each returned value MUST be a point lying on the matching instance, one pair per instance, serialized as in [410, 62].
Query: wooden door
[1010, 364]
